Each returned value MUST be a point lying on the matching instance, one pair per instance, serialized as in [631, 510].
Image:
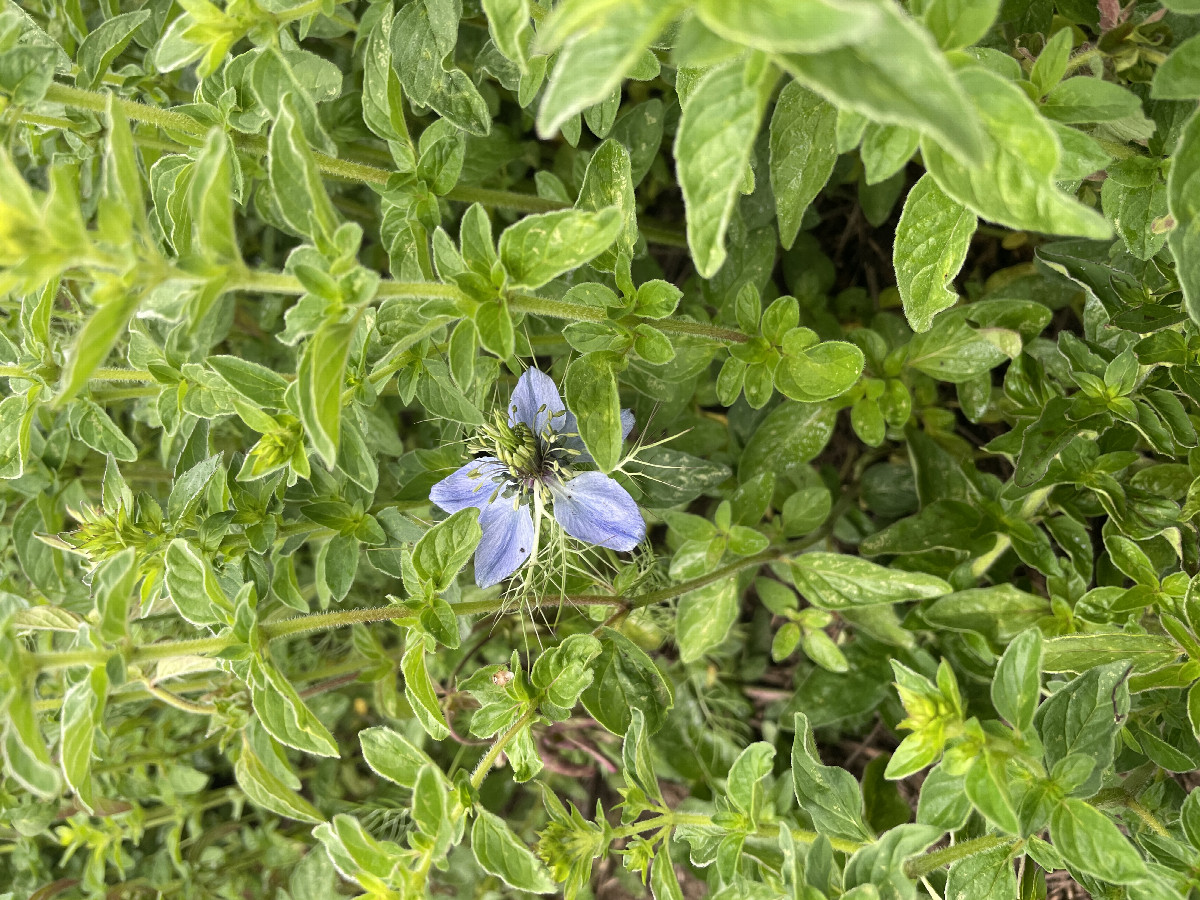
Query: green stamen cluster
[514, 445]
[527, 456]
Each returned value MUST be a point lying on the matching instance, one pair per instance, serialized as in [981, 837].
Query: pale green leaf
[418, 688]
[1183, 201]
[602, 43]
[932, 239]
[803, 153]
[265, 789]
[1091, 842]
[320, 382]
[501, 853]
[1014, 185]
[838, 581]
[539, 248]
[1178, 77]
[104, 44]
[591, 391]
[790, 26]
[295, 180]
[704, 618]
[720, 121]
[829, 794]
[820, 372]
[193, 586]
[896, 76]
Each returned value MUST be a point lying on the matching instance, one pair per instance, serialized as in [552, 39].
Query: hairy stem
[181, 703]
[325, 621]
[498, 745]
[270, 631]
[102, 373]
[771, 829]
[282, 283]
[330, 166]
[920, 866]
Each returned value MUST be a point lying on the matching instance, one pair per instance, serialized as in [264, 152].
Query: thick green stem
[804, 836]
[97, 101]
[667, 820]
[478, 607]
[67, 659]
[488, 607]
[528, 203]
[417, 290]
[110, 395]
[325, 621]
[135, 691]
[1126, 796]
[664, 236]
[555, 309]
[1152, 822]
[920, 866]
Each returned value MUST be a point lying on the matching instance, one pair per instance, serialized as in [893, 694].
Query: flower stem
[270, 631]
[539, 506]
[96, 101]
[67, 659]
[528, 203]
[771, 554]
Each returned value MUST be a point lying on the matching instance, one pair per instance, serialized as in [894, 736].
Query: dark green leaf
[591, 389]
[626, 680]
[830, 795]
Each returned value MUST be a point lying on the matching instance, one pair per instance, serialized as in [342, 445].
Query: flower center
[531, 459]
[516, 446]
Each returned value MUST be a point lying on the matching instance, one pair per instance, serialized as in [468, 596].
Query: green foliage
[881, 318]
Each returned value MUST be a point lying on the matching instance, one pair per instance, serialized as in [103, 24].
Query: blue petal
[570, 425]
[594, 508]
[472, 485]
[534, 399]
[506, 544]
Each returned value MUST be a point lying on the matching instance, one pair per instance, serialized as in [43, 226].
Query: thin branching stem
[330, 166]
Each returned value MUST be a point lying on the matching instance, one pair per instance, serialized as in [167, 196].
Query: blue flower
[530, 458]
